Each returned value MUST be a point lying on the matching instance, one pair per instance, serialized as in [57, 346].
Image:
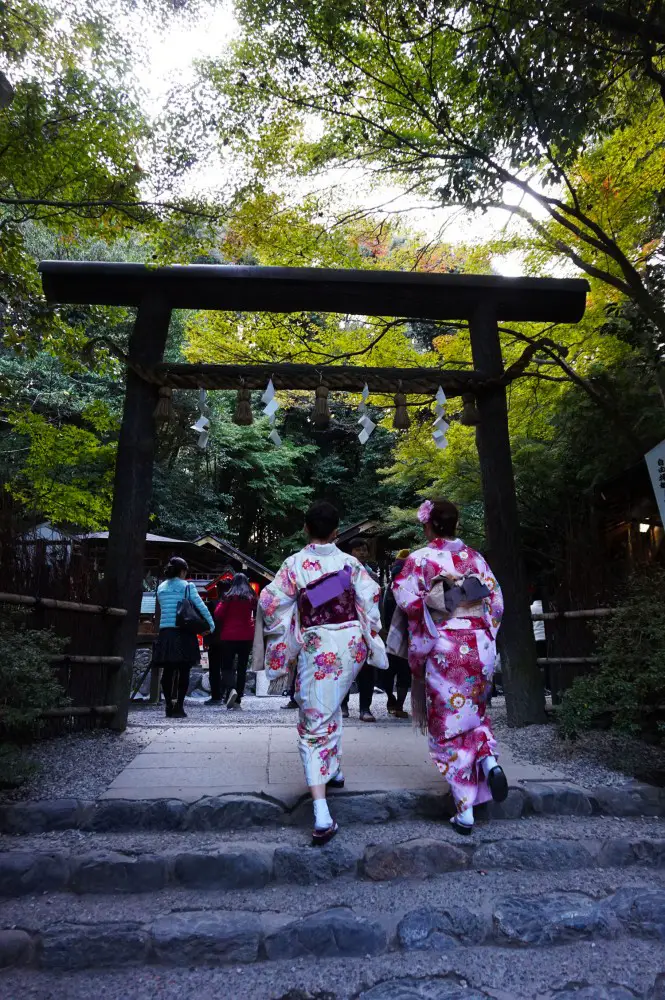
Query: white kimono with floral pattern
[328, 657]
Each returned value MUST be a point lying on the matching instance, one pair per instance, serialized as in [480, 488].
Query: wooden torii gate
[483, 300]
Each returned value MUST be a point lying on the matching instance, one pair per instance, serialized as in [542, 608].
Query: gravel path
[79, 765]
[83, 765]
[595, 758]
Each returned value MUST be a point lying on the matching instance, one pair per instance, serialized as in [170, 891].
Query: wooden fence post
[131, 495]
[523, 684]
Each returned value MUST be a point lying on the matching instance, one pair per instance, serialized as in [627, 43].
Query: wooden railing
[50, 602]
[561, 668]
[64, 660]
[549, 616]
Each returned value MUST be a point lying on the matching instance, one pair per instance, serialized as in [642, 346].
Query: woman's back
[170, 593]
[234, 617]
[452, 560]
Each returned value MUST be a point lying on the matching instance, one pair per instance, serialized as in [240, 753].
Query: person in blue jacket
[177, 650]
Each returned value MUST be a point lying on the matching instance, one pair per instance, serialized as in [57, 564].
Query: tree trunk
[523, 684]
[132, 490]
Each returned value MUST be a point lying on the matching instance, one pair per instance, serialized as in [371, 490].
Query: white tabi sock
[488, 763]
[466, 816]
[322, 817]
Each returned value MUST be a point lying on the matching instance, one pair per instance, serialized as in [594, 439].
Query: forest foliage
[548, 114]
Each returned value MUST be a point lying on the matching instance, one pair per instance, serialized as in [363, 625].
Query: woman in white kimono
[321, 618]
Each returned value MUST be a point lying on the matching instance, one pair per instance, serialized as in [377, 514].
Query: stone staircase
[559, 893]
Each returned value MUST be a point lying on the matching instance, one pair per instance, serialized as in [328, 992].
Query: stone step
[230, 812]
[625, 968]
[205, 937]
[255, 864]
[355, 835]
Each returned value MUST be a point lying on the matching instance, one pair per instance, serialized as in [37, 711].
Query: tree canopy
[549, 113]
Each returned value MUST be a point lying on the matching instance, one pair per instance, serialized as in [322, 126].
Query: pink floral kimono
[455, 655]
[327, 644]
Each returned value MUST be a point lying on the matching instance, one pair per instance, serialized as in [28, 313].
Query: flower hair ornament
[425, 511]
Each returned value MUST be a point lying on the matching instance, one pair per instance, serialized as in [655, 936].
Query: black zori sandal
[336, 783]
[321, 837]
[498, 784]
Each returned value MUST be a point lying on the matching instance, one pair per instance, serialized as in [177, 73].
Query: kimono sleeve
[495, 599]
[368, 600]
[278, 603]
[410, 588]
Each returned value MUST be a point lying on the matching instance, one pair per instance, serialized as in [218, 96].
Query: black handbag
[189, 618]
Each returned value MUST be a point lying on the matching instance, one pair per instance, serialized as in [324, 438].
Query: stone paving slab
[189, 793]
[188, 762]
[216, 773]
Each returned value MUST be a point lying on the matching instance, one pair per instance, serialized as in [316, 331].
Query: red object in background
[211, 590]
[255, 587]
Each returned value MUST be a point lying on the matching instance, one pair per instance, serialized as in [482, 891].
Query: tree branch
[123, 206]
[623, 24]
[549, 348]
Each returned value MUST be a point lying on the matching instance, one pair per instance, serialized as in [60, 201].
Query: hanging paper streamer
[365, 422]
[271, 408]
[440, 423]
[269, 394]
[367, 428]
[203, 423]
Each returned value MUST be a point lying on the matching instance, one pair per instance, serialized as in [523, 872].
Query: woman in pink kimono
[454, 608]
[321, 618]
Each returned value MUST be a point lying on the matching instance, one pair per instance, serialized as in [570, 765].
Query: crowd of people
[324, 623]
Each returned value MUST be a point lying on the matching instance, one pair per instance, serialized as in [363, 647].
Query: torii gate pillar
[522, 683]
[131, 495]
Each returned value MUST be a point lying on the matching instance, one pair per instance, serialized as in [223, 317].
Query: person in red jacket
[234, 619]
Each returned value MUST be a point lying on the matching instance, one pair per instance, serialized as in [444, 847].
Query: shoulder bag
[188, 617]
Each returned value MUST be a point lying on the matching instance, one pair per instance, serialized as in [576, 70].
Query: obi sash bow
[330, 600]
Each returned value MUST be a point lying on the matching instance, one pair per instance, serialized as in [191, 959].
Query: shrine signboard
[655, 460]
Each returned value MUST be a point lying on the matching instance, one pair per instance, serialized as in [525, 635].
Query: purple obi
[330, 600]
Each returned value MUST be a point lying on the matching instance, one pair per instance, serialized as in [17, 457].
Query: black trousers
[175, 681]
[398, 672]
[365, 682]
[215, 671]
[240, 648]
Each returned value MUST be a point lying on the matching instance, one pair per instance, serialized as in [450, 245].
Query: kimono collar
[322, 550]
[446, 543]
